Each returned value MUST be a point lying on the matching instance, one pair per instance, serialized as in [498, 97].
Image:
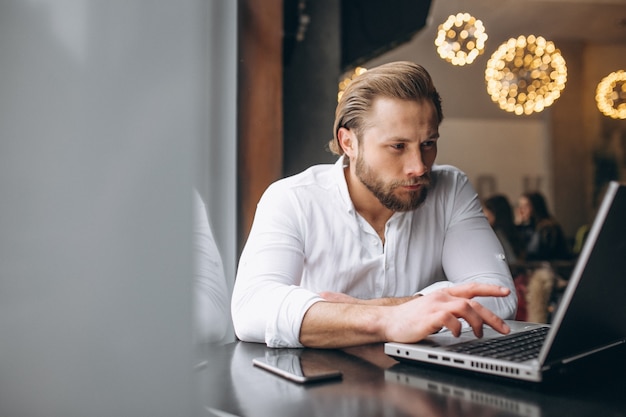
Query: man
[380, 246]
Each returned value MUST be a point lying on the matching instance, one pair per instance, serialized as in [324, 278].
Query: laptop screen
[591, 314]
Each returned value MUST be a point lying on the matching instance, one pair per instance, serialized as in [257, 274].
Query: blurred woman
[499, 213]
[543, 236]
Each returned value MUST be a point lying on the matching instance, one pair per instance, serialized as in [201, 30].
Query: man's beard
[385, 191]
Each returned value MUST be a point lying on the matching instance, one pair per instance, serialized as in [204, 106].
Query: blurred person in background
[542, 234]
[499, 213]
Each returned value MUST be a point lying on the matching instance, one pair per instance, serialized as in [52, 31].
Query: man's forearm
[390, 301]
[335, 325]
[344, 298]
[339, 324]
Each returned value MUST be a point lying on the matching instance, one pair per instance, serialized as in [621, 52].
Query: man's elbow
[247, 329]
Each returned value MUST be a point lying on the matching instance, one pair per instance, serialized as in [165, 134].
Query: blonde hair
[403, 80]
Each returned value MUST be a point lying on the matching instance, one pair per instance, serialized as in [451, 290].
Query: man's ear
[347, 141]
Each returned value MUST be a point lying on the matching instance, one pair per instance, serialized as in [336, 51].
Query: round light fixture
[611, 95]
[461, 39]
[347, 79]
[526, 75]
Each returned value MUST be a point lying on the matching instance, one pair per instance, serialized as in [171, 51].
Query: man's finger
[491, 319]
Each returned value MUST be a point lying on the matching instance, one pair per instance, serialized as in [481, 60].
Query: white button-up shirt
[307, 237]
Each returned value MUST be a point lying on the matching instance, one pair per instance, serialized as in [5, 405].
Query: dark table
[374, 384]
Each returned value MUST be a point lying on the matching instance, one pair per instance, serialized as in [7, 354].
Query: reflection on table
[374, 384]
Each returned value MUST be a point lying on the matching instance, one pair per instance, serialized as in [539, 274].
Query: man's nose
[415, 166]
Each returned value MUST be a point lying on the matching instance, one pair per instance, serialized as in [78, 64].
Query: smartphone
[295, 368]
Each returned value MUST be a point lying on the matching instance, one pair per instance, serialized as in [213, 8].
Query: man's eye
[398, 146]
[429, 144]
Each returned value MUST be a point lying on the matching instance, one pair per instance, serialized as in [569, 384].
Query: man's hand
[416, 319]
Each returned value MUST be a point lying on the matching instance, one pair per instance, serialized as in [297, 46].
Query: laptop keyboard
[517, 347]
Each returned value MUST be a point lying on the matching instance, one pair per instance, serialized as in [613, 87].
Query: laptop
[591, 316]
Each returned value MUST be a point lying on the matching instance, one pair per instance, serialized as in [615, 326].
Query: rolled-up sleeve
[268, 303]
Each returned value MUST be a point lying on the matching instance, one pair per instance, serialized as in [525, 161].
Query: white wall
[506, 157]
[102, 104]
